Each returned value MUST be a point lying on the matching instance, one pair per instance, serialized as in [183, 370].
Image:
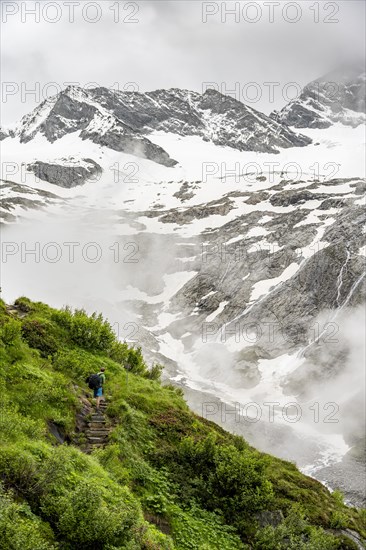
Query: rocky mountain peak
[118, 119]
[338, 96]
[4, 133]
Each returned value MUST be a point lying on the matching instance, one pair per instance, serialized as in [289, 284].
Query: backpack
[94, 381]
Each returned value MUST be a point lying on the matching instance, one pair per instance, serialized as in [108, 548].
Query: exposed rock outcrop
[336, 97]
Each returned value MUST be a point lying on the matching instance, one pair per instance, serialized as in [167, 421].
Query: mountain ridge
[99, 113]
[338, 96]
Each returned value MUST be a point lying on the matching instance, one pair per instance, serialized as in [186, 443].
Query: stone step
[97, 418]
[96, 439]
[98, 428]
[97, 433]
[99, 424]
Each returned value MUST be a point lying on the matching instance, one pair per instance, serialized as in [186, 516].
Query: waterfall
[341, 307]
[340, 277]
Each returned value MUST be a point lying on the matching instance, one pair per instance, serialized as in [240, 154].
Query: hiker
[96, 383]
[98, 392]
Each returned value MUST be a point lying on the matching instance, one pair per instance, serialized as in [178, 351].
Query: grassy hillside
[167, 479]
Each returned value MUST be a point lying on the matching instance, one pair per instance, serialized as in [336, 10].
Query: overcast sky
[174, 44]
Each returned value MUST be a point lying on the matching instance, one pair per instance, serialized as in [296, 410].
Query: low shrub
[295, 533]
[10, 332]
[197, 528]
[38, 334]
[24, 304]
[155, 372]
[20, 529]
[90, 332]
[338, 520]
[220, 477]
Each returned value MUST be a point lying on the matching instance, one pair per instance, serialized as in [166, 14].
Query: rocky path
[93, 427]
[97, 431]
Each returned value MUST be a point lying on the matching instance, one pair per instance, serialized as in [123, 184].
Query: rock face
[123, 120]
[66, 175]
[336, 97]
[3, 134]
[16, 198]
[74, 110]
[211, 115]
[232, 273]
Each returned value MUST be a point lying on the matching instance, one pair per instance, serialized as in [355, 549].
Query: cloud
[170, 46]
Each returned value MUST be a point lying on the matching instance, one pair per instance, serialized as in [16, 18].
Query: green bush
[85, 506]
[38, 334]
[338, 520]
[135, 362]
[152, 539]
[175, 389]
[155, 372]
[76, 363]
[40, 395]
[89, 332]
[73, 493]
[10, 332]
[224, 478]
[17, 468]
[111, 459]
[197, 528]
[14, 426]
[237, 486]
[20, 529]
[119, 352]
[88, 516]
[294, 533]
[24, 304]
[338, 497]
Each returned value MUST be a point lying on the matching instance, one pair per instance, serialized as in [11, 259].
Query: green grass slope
[167, 479]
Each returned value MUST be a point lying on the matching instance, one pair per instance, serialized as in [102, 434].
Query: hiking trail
[94, 424]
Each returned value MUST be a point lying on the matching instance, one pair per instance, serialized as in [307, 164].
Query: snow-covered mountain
[237, 259]
[4, 133]
[122, 120]
[339, 96]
